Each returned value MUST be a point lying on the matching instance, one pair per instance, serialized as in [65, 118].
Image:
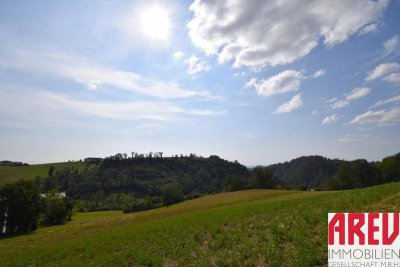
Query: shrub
[56, 209]
[146, 203]
[171, 193]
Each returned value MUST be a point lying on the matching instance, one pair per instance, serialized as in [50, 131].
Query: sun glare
[155, 23]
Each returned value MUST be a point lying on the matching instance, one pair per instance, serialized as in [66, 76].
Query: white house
[57, 195]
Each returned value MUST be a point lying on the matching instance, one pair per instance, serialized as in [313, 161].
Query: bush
[193, 195]
[56, 209]
[171, 194]
[146, 203]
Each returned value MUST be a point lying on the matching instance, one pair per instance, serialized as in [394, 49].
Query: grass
[246, 228]
[14, 173]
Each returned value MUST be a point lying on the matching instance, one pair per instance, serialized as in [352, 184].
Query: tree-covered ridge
[312, 172]
[119, 180]
[306, 171]
[135, 183]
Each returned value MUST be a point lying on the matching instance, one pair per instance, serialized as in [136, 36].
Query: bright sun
[155, 23]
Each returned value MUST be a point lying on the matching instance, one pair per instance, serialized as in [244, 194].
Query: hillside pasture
[10, 174]
[252, 228]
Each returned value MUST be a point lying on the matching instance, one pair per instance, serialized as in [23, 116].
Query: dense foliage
[171, 193]
[23, 208]
[314, 172]
[120, 182]
[20, 207]
[308, 171]
[55, 209]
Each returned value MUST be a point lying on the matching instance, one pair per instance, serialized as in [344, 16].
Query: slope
[254, 227]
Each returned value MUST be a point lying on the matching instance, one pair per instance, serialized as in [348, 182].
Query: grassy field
[246, 228]
[14, 173]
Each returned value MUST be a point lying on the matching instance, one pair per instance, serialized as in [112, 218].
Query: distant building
[93, 160]
[12, 163]
[57, 195]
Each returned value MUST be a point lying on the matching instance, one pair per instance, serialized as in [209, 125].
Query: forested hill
[306, 171]
[116, 180]
[333, 174]
[194, 174]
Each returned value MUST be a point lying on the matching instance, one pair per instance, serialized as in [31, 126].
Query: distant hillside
[145, 175]
[13, 173]
[334, 174]
[117, 181]
[306, 171]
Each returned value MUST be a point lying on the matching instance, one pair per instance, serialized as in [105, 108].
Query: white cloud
[92, 87]
[92, 75]
[291, 105]
[330, 100]
[251, 83]
[319, 73]
[178, 54]
[391, 45]
[314, 112]
[286, 81]
[348, 138]
[382, 70]
[195, 65]
[393, 77]
[330, 119]
[358, 93]
[41, 104]
[340, 104]
[237, 74]
[373, 27]
[381, 117]
[387, 101]
[255, 34]
[207, 112]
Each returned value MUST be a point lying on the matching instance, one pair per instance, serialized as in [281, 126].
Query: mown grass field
[15, 173]
[246, 228]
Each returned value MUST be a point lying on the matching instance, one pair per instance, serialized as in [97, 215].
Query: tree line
[361, 173]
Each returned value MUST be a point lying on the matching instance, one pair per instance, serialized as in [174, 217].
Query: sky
[248, 81]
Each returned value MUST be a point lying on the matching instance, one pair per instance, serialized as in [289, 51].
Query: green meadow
[13, 173]
[244, 228]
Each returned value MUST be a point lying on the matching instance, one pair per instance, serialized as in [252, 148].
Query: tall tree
[51, 171]
[23, 204]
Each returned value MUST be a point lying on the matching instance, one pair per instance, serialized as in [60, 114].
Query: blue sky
[243, 80]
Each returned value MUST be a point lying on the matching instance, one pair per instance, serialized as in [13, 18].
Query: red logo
[363, 239]
[369, 228]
